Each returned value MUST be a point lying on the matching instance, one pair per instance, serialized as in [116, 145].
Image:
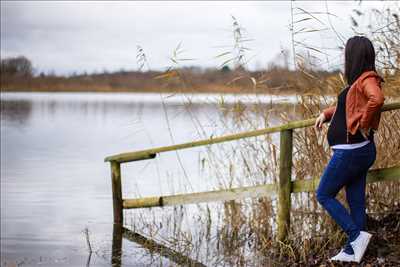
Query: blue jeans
[347, 168]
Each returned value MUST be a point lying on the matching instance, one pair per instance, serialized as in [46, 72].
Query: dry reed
[242, 233]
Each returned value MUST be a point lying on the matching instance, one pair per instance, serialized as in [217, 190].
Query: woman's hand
[319, 121]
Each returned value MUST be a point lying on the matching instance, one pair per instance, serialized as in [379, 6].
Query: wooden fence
[284, 188]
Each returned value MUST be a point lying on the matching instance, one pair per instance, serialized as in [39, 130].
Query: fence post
[116, 191]
[116, 247]
[284, 184]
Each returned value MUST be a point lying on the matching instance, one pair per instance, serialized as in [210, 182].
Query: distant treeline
[17, 74]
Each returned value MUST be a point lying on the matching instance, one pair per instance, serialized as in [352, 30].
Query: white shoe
[343, 256]
[360, 245]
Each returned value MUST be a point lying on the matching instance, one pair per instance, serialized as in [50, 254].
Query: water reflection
[54, 181]
[117, 245]
[120, 233]
[16, 111]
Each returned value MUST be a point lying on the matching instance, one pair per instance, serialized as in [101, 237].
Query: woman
[350, 135]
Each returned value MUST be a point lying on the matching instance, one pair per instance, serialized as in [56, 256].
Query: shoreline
[277, 93]
[220, 92]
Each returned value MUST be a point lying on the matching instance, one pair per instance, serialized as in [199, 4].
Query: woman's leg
[355, 190]
[355, 195]
[336, 175]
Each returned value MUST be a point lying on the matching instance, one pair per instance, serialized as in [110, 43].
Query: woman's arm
[372, 90]
[324, 116]
[328, 113]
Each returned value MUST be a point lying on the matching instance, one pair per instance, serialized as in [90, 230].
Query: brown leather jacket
[363, 103]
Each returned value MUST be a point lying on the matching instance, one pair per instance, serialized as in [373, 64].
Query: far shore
[154, 92]
[126, 90]
[204, 90]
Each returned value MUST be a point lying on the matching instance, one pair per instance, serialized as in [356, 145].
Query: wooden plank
[384, 174]
[391, 106]
[285, 184]
[116, 191]
[151, 153]
[154, 247]
[309, 185]
[140, 155]
[145, 202]
[130, 156]
[377, 175]
[210, 196]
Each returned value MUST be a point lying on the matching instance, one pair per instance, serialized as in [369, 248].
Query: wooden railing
[283, 188]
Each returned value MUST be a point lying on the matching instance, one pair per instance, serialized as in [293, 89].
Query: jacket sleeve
[371, 89]
[328, 112]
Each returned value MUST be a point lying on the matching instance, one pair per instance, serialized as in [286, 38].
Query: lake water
[55, 183]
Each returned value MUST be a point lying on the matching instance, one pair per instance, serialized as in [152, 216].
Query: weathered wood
[308, 185]
[116, 191]
[377, 175]
[154, 247]
[391, 106]
[140, 155]
[146, 202]
[217, 195]
[144, 154]
[116, 250]
[384, 174]
[284, 184]
[151, 153]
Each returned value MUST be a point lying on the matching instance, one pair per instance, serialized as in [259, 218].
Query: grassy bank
[273, 81]
[276, 81]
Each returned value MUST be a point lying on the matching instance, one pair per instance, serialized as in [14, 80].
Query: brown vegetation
[275, 80]
[242, 233]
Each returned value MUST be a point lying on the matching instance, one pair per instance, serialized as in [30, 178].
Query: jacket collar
[365, 75]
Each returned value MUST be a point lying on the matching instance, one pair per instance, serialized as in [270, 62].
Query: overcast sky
[94, 36]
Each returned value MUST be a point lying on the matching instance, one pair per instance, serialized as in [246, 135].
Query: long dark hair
[359, 57]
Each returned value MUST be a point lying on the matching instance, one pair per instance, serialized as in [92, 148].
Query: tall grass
[242, 233]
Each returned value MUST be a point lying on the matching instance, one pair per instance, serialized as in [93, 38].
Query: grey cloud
[77, 36]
